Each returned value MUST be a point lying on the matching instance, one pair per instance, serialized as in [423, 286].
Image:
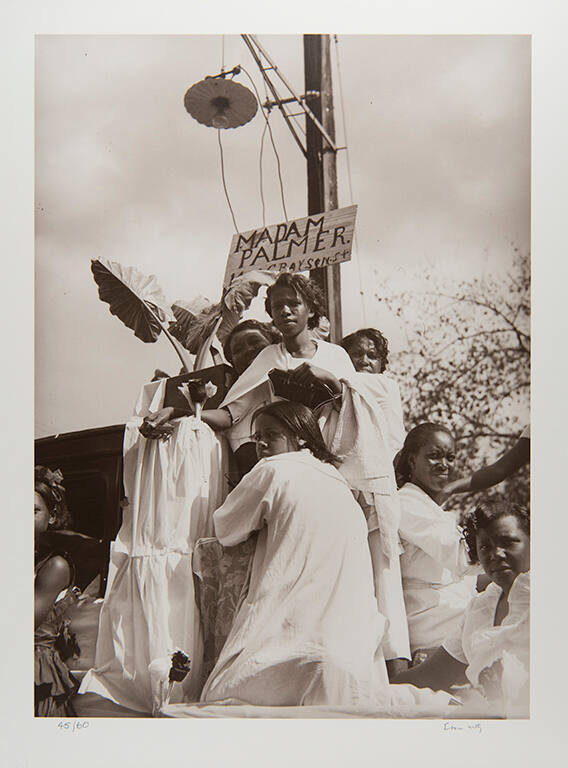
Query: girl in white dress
[309, 631]
[437, 580]
[368, 350]
[491, 641]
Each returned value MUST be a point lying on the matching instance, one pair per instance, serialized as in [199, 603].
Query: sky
[437, 130]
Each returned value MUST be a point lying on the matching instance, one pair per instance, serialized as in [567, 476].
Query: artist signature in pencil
[463, 727]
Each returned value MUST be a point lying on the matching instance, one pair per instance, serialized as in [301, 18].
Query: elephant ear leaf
[134, 298]
[194, 325]
[188, 321]
[239, 296]
[243, 290]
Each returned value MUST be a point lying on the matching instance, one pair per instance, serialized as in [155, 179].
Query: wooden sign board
[299, 245]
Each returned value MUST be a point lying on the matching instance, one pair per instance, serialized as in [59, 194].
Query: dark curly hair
[415, 440]
[300, 420]
[485, 513]
[305, 288]
[49, 484]
[270, 333]
[375, 337]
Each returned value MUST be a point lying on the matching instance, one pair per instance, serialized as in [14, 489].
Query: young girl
[54, 594]
[309, 631]
[295, 305]
[368, 350]
[491, 641]
[437, 580]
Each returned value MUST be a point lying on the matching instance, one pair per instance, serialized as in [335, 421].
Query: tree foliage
[467, 365]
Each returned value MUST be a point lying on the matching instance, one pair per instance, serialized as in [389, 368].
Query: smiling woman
[437, 580]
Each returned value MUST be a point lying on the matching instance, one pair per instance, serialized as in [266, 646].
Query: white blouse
[478, 642]
[437, 580]
[253, 390]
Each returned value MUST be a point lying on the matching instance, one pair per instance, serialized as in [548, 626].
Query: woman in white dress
[491, 641]
[309, 631]
[437, 579]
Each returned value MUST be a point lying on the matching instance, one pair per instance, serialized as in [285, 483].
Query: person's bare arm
[158, 425]
[52, 578]
[218, 419]
[495, 473]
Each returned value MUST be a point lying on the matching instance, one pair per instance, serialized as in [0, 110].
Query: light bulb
[220, 119]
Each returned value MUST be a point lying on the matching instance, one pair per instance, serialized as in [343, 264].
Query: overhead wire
[260, 171]
[261, 179]
[223, 178]
[271, 141]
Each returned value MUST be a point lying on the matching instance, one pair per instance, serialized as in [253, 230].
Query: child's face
[272, 437]
[503, 549]
[363, 354]
[41, 514]
[290, 313]
[432, 464]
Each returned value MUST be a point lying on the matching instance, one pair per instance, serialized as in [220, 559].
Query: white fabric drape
[149, 609]
[367, 433]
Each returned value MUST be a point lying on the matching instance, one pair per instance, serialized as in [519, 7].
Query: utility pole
[321, 162]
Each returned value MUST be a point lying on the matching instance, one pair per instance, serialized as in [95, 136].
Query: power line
[271, 141]
[223, 178]
[260, 169]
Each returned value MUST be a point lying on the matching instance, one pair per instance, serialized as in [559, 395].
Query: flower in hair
[53, 478]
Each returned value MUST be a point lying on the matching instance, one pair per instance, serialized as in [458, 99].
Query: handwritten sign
[293, 246]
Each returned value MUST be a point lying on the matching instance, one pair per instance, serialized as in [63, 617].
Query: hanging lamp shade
[220, 103]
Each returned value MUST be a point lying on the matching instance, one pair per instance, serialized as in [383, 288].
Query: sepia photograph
[281, 390]
[290, 475]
